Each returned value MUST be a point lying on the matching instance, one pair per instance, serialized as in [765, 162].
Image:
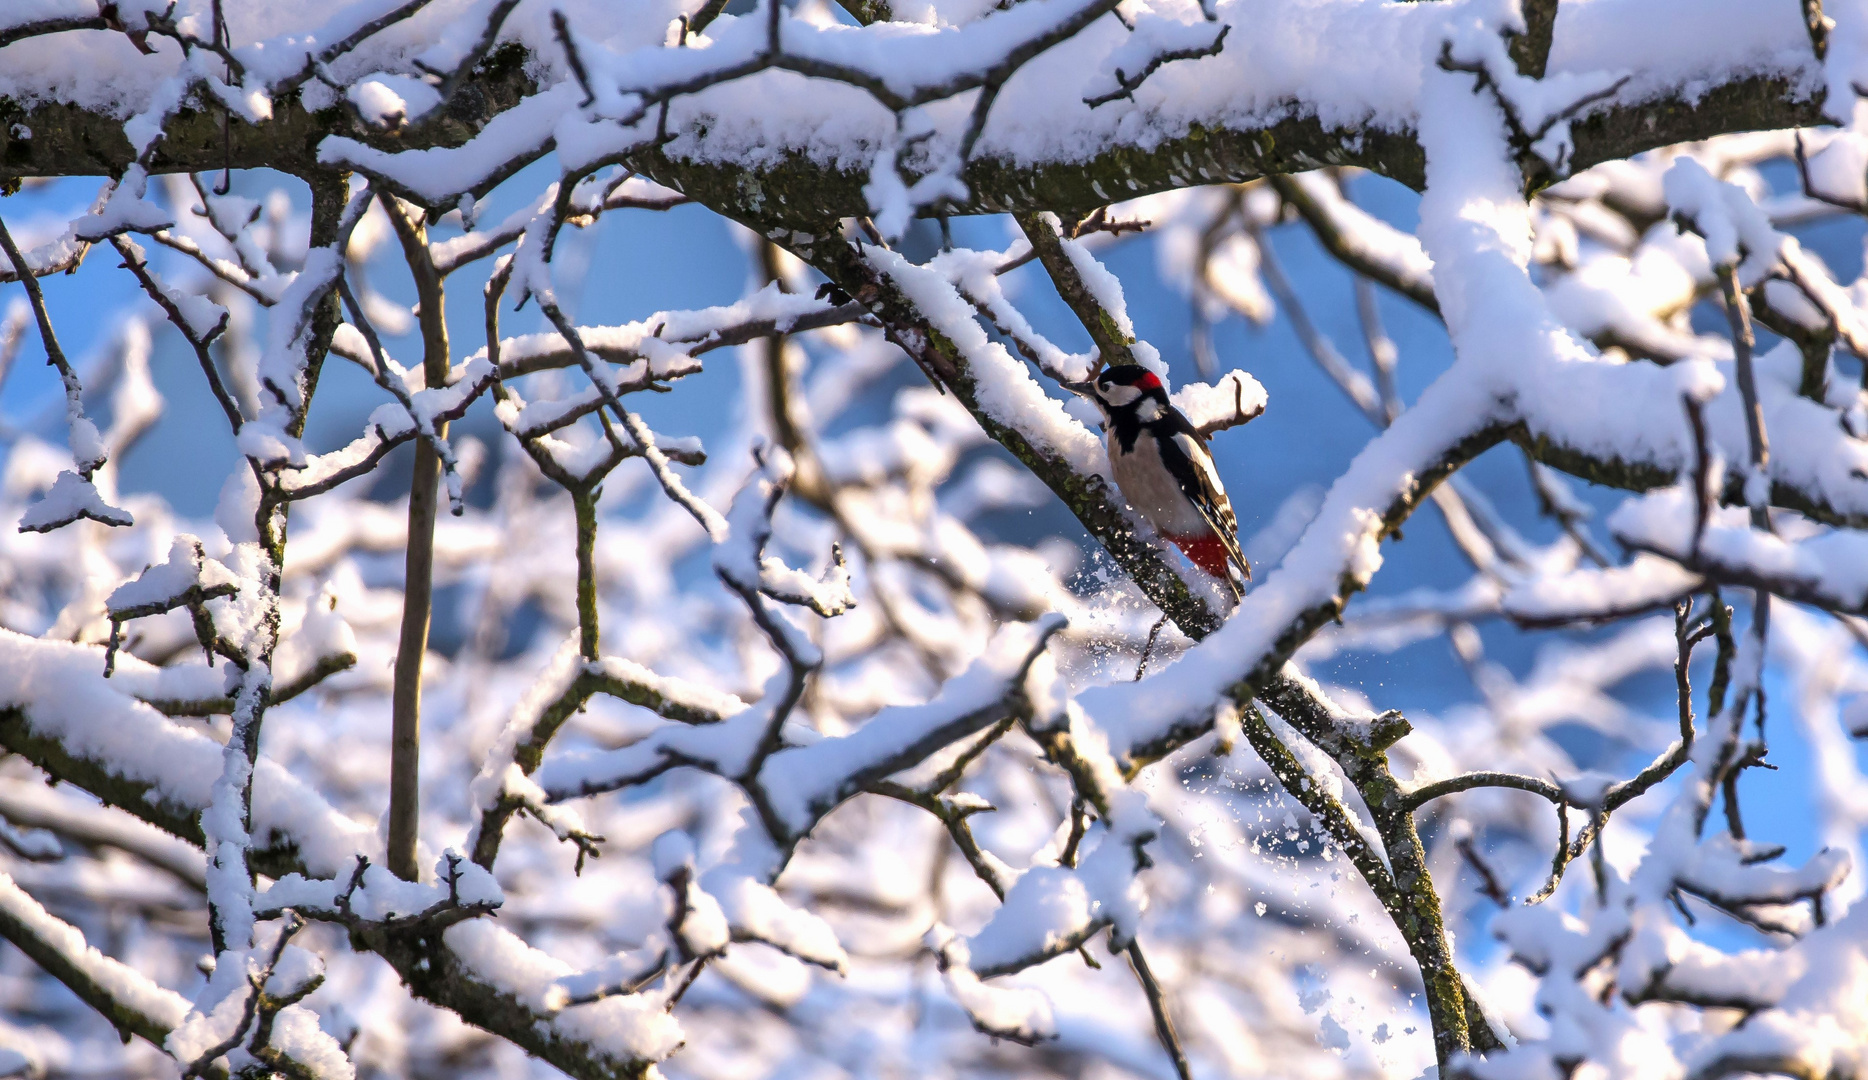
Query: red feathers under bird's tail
[1205, 552]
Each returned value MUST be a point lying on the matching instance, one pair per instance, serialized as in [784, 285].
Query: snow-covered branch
[867, 724]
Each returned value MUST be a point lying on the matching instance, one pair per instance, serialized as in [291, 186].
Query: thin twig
[1148, 649]
[54, 355]
[1157, 1004]
[1489, 885]
[1426, 793]
[1360, 390]
[1738, 315]
[134, 261]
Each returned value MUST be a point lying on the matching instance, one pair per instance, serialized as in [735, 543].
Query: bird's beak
[1087, 389]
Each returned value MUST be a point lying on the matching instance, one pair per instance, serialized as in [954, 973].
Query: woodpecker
[1164, 469]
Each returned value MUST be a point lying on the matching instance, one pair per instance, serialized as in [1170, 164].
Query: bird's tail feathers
[1209, 553]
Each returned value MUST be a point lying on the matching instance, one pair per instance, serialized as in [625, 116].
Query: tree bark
[418, 567]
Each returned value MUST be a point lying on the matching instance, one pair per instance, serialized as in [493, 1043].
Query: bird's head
[1123, 387]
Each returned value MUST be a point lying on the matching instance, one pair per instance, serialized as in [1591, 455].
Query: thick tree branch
[1090, 497]
[424, 960]
[1530, 50]
[1043, 230]
[66, 140]
[123, 996]
[49, 138]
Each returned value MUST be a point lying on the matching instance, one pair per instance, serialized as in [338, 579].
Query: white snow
[71, 498]
[740, 776]
[124, 984]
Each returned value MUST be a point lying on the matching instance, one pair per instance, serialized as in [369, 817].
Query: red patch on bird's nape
[1205, 552]
[1148, 381]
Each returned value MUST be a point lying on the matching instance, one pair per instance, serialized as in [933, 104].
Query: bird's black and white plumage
[1162, 464]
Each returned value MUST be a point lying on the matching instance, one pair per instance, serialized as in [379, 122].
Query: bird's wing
[1185, 454]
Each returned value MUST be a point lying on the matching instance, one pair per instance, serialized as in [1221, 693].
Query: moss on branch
[430, 969]
[435, 973]
[51, 138]
[69, 970]
[273, 854]
[57, 139]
